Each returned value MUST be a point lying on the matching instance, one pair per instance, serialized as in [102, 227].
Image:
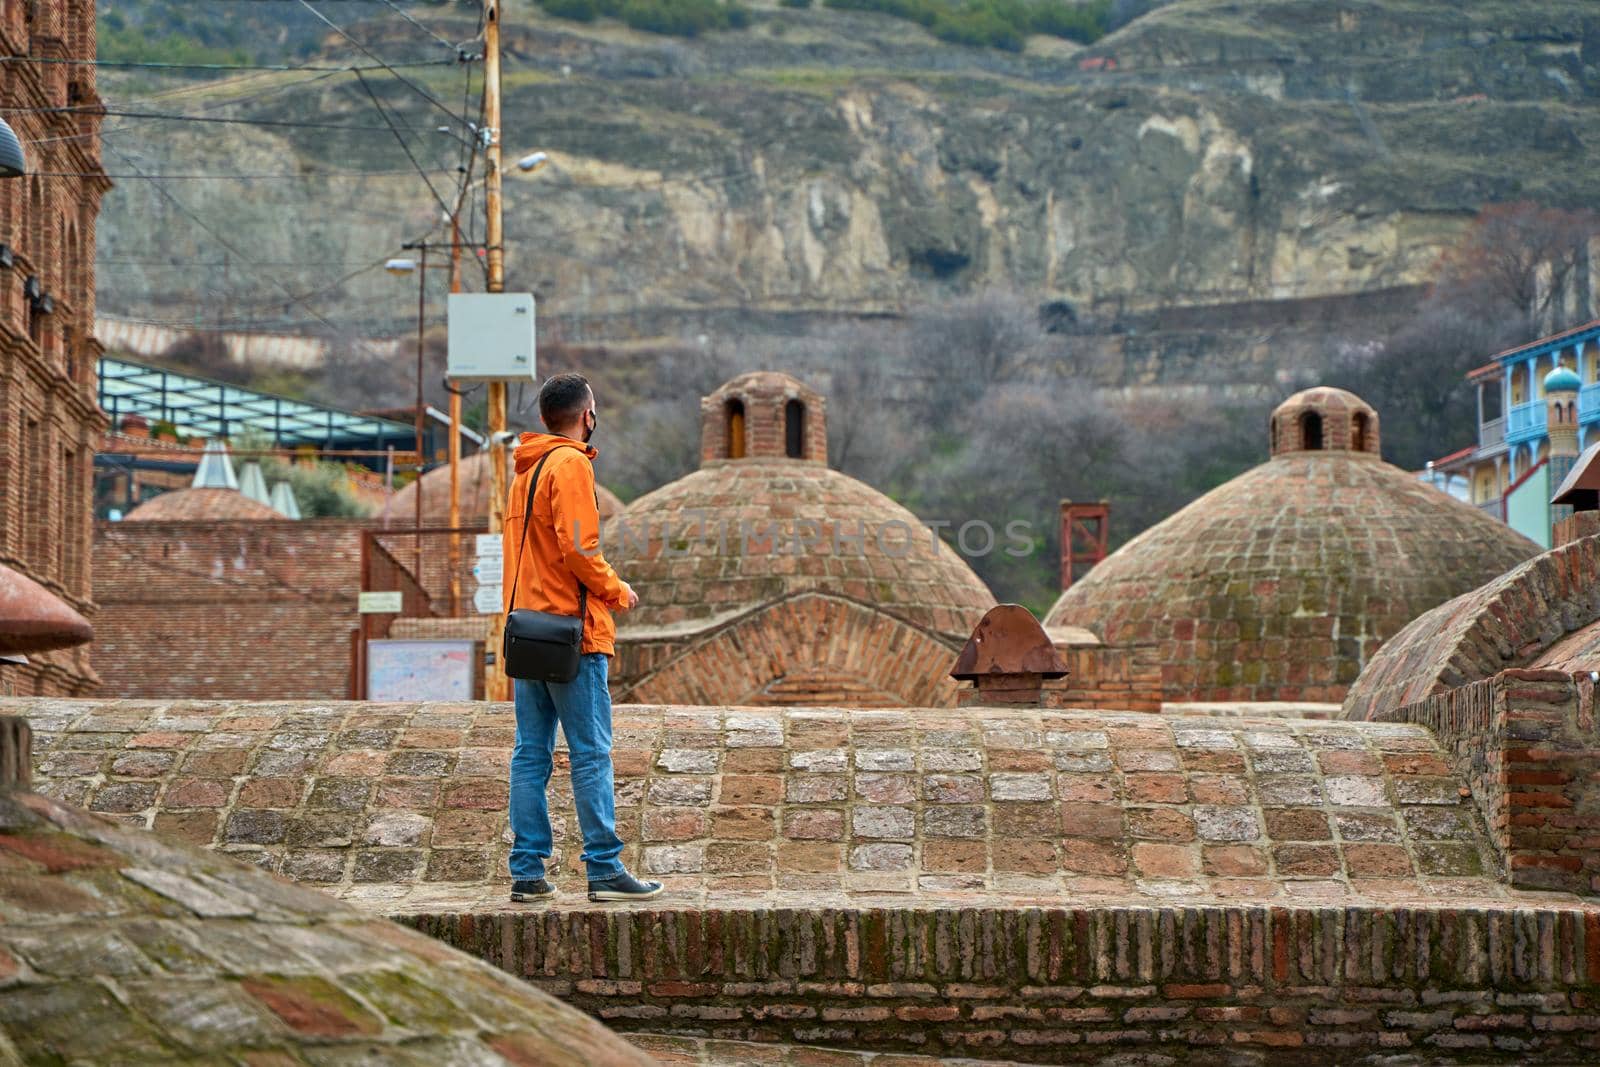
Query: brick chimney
[1007, 659]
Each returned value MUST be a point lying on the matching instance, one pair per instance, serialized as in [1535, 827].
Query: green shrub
[683, 18]
[576, 10]
[1084, 23]
[795, 3]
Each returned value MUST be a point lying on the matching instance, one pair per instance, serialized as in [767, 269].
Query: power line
[398, 136]
[407, 82]
[165, 116]
[225, 243]
[448, 44]
[310, 176]
[143, 65]
[191, 89]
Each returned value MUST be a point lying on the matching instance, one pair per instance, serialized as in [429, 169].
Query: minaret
[1561, 423]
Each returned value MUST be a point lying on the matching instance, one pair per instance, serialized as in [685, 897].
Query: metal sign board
[380, 603]
[421, 670]
[490, 545]
[490, 571]
[487, 600]
[492, 337]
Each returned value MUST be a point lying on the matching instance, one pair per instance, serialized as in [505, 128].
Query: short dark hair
[562, 398]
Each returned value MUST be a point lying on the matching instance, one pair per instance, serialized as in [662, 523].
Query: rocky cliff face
[834, 163]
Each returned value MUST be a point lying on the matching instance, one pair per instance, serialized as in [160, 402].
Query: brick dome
[697, 566]
[1281, 584]
[122, 947]
[475, 478]
[202, 505]
[763, 576]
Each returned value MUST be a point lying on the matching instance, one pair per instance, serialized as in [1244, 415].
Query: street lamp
[13, 164]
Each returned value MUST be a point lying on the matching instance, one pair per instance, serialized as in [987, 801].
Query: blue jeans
[583, 707]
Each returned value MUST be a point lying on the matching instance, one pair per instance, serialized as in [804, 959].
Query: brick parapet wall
[1199, 985]
[1526, 744]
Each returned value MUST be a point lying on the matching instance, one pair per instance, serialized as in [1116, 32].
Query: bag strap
[522, 545]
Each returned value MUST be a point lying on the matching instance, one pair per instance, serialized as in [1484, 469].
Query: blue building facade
[1538, 408]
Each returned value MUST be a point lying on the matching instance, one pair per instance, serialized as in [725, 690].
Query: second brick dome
[1283, 583]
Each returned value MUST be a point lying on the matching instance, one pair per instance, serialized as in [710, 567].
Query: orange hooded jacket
[563, 544]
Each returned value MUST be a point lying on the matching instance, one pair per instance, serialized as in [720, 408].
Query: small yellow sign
[380, 603]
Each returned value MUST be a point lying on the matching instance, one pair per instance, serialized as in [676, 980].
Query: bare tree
[1514, 263]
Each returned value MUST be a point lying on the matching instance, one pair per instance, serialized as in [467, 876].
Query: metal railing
[1526, 418]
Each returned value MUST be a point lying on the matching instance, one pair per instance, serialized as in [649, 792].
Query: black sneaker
[537, 889]
[623, 886]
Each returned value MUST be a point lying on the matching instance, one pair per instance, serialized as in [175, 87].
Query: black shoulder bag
[541, 646]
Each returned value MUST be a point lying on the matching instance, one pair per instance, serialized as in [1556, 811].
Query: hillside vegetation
[1209, 204]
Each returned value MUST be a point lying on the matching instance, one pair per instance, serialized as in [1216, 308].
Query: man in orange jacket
[558, 550]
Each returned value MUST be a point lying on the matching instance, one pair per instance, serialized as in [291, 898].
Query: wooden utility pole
[497, 686]
[455, 427]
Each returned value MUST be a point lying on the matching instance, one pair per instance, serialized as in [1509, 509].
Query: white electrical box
[492, 337]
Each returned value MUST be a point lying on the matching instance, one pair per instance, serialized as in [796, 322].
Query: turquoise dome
[1562, 379]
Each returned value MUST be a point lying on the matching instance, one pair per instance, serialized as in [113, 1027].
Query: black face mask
[589, 431]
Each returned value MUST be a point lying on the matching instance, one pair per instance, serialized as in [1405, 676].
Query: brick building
[766, 577]
[205, 606]
[49, 420]
[1283, 583]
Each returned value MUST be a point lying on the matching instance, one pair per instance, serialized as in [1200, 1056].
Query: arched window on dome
[1311, 432]
[735, 429]
[794, 429]
[1360, 428]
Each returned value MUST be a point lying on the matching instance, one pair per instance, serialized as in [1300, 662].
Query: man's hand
[630, 599]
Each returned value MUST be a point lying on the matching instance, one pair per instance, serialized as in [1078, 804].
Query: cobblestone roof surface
[693, 572]
[209, 505]
[1535, 615]
[117, 947]
[403, 807]
[1283, 583]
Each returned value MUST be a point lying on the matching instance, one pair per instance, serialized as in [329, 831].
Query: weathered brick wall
[1120, 679]
[1195, 985]
[1526, 744]
[227, 610]
[805, 649]
[49, 420]
[1509, 622]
